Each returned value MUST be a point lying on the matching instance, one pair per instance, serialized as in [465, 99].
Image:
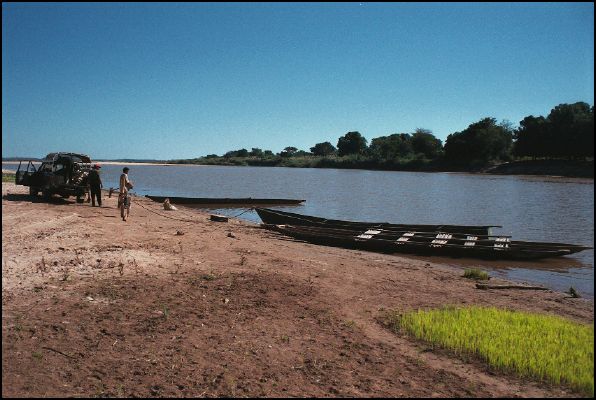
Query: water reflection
[555, 264]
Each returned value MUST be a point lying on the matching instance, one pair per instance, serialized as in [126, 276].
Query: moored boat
[277, 217]
[428, 243]
[203, 201]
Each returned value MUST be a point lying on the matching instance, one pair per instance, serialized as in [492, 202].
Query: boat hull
[276, 217]
[206, 201]
[425, 244]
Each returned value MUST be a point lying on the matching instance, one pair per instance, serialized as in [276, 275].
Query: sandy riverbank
[173, 304]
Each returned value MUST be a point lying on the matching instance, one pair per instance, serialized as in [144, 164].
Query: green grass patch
[8, 177]
[542, 347]
[477, 274]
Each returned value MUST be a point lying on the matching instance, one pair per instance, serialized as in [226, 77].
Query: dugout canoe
[206, 201]
[427, 243]
[277, 217]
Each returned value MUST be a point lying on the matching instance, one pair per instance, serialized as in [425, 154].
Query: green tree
[351, 143]
[390, 147]
[256, 152]
[572, 130]
[288, 151]
[424, 142]
[323, 149]
[236, 153]
[531, 138]
[480, 142]
[586, 135]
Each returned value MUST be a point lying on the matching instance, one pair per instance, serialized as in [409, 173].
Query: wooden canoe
[205, 201]
[425, 243]
[277, 217]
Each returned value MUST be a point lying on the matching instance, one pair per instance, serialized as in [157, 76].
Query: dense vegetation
[566, 133]
[543, 347]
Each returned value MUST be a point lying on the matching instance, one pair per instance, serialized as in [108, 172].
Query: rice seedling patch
[542, 347]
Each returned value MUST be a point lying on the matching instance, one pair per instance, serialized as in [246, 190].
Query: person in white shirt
[123, 197]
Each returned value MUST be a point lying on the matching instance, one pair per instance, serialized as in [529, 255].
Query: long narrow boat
[201, 201]
[427, 243]
[277, 217]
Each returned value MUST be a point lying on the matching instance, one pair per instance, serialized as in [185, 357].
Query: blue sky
[182, 80]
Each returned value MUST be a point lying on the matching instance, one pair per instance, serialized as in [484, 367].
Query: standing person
[124, 197]
[95, 185]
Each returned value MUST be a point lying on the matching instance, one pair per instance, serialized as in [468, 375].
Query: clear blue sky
[182, 80]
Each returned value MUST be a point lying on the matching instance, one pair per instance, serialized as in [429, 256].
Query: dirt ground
[171, 304]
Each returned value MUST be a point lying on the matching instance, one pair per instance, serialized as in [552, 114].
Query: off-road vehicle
[64, 174]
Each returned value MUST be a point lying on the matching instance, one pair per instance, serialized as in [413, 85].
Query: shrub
[476, 274]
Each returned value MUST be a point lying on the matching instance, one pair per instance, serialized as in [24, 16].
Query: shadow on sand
[36, 199]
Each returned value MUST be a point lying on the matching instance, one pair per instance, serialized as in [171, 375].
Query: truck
[61, 173]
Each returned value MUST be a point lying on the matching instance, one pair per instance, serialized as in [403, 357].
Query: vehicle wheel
[46, 194]
[33, 191]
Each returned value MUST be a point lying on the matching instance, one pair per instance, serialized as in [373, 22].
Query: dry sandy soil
[171, 304]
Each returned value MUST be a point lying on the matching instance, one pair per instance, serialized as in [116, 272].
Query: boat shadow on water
[558, 264]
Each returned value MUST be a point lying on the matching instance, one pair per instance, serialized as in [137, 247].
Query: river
[549, 209]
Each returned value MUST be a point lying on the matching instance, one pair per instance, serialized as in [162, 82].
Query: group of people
[95, 186]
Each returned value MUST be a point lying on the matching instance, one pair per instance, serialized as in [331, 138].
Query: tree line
[567, 132]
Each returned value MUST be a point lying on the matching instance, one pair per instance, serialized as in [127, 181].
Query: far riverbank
[566, 168]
